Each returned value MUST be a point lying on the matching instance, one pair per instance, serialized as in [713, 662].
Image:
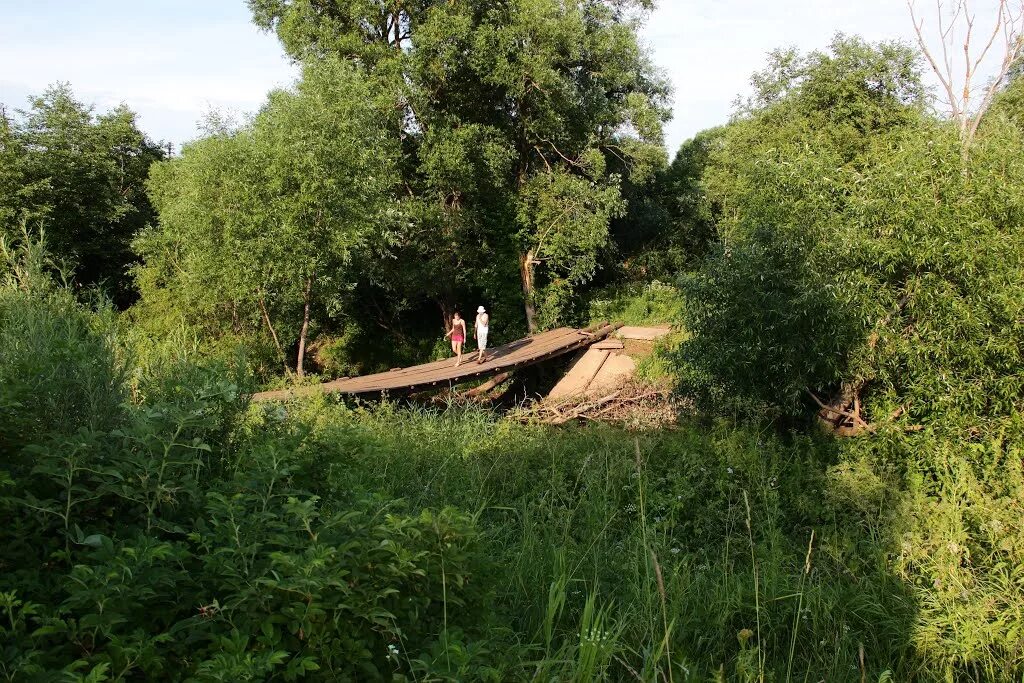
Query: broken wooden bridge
[444, 373]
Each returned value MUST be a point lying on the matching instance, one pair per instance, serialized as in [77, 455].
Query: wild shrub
[958, 541]
[576, 511]
[157, 555]
[653, 303]
[141, 541]
[764, 327]
[59, 365]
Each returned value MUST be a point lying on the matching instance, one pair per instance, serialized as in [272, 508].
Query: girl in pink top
[458, 335]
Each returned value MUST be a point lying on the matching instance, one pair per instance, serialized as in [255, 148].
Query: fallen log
[493, 382]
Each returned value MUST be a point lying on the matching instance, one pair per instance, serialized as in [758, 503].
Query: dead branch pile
[634, 405]
[842, 415]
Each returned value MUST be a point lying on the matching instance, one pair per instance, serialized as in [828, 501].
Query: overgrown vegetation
[861, 255]
[185, 535]
[837, 261]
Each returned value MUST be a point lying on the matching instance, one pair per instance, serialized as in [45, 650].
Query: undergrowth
[758, 554]
[652, 303]
[164, 530]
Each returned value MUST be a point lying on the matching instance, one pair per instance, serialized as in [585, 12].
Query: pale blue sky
[171, 61]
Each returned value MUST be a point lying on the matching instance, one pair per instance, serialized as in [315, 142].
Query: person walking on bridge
[480, 332]
[458, 335]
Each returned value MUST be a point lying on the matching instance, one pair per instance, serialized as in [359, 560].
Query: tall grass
[686, 541]
[652, 303]
[60, 368]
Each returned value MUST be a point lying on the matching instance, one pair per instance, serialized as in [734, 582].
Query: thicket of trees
[80, 178]
[491, 144]
[263, 228]
[860, 259]
[518, 122]
[433, 155]
[868, 267]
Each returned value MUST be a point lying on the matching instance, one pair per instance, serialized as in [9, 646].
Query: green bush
[140, 541]
[958, 541]
[59, 367]
[653, 303]
[870, 259]
[167, 557]
[764, 327]
[202, 539]
[582, 512]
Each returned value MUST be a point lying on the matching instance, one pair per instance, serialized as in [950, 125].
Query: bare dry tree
[967, 100]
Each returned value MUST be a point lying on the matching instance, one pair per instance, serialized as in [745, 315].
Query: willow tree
[262, 223]
[865, 269]
[770, 312]
[517, 122]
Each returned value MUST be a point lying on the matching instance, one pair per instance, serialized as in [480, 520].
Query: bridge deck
[444, 373]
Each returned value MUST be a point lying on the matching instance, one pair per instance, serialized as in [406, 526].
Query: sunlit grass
[647, 534]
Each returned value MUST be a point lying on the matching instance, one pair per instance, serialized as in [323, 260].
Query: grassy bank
[727, 551]
[190, 540]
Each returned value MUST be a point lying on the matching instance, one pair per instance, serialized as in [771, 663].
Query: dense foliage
[859, 252]
[507, 204]
[865, 263]
[838, 261]
[260, 226]
[185, 536]
[141, 541]
[80, 178]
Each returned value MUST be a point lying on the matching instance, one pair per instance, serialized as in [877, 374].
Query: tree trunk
[446, 318]
[305, 328]
[447, 312]
[526, 263]
[273, 335]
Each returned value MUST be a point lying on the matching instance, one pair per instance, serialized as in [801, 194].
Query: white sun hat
[479, 309]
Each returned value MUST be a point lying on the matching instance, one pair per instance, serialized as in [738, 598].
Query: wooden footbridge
[444, 373]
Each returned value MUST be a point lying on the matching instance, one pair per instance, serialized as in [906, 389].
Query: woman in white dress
[480, 332]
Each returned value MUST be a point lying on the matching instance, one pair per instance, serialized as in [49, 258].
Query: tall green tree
[262, 224]
[505, 111]
[669, 225]
[768, 311]
[863, 261]
[81, 177]
[12, 152]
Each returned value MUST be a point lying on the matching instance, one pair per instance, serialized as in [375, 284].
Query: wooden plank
[643, 333]
[579, 375]
[445, 368]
